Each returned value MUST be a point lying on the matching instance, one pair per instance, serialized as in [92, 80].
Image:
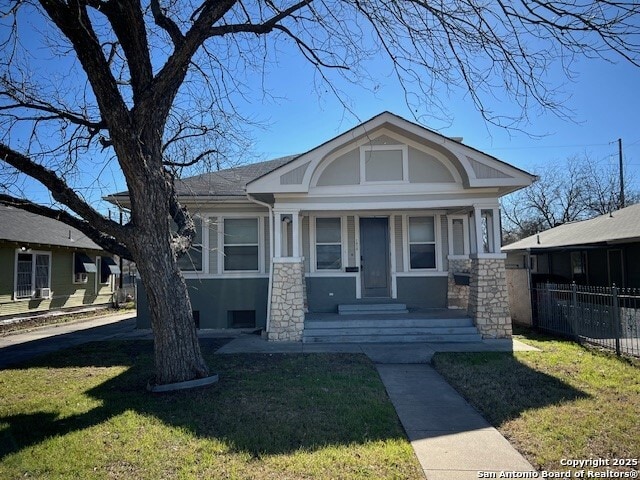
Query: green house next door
[374, 257]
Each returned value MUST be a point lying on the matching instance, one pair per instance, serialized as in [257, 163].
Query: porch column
[488, 294]
[287, 283]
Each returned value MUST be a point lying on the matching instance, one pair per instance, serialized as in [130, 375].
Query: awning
[109, 267]
[84, 264]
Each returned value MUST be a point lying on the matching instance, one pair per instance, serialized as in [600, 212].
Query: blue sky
[603, 98]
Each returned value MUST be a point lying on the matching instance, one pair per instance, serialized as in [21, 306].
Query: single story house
[387, 213]
[49, 266]
[602, 251]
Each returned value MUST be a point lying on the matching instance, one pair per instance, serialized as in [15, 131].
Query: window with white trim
[422, 243]
[192, 260]
[329, 243]
[241, 245]
[33, 272]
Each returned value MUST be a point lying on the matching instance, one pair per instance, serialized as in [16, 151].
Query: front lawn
[84, 413]
[566, 402]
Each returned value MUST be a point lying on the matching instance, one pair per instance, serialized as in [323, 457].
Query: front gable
[388, 155]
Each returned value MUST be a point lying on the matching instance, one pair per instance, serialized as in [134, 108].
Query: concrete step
[372, 308]
[370, 331]
[390, 323]
[415, 338]
[391, 330]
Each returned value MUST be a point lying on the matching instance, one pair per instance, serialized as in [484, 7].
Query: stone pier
[489, 298]
[287, 300]
[458, 295]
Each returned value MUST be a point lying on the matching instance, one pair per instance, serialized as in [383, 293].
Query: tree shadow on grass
[263, 404]
[500, 386]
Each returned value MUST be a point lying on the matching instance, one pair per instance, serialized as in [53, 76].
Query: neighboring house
[384, 213]
[597, 252]
[48, 265]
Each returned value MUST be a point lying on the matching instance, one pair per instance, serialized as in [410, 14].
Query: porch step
[408, 330]
[372, 308]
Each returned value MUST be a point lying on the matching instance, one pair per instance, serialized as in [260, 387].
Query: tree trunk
[176, 348]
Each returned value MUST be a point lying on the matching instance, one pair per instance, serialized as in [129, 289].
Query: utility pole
[621, 173]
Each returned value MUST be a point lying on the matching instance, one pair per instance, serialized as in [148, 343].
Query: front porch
[420, 258]
[377, 324]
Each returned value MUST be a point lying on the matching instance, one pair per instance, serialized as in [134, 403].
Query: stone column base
[458, 295]
[287, 301]
[489, 298]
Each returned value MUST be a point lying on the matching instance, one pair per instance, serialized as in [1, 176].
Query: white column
[477, 217]
[277, 235]
[497, 240]
[295, 235]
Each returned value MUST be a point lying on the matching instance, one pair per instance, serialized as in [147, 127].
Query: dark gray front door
[374, 253]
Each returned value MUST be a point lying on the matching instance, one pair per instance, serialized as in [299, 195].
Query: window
[192, 260]
[82, 266]
[458, 236]
[241, 252]
[108, 267]
[422, 242]
[328, 244]
[32, 274]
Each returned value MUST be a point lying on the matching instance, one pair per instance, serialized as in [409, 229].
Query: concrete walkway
[450, 438]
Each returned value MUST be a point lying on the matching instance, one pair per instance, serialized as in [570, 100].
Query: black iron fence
[606, 316]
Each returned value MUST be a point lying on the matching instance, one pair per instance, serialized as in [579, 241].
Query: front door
[374, 256]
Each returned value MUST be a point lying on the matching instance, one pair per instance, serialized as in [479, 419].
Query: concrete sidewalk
[449, 437]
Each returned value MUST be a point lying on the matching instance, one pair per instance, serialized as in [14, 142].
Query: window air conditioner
[43, 292]
[80, 278]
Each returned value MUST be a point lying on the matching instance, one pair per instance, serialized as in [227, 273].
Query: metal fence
[606, 316]
[125, 294]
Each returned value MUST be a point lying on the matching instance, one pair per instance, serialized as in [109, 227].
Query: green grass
[566, 402]
[84, 412]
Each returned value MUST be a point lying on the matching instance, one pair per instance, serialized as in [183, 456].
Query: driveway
[18, 347]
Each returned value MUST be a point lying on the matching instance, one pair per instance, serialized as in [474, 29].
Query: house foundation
[489, 297]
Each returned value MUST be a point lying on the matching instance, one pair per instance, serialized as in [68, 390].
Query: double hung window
[422, 243]
[328, 244]
[241, 252]
[192, 260]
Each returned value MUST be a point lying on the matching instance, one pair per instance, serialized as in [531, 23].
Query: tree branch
[166, 23]
[62, 193]
[106, 242]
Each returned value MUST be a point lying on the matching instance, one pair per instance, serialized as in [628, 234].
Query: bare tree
[576, 190]
[152, 87]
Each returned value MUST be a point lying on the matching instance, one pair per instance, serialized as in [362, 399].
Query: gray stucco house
[384, 214]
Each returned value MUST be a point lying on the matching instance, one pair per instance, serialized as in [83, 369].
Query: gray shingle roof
[620, 226]
[228, 182]
[223, 183]
[20, 226]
